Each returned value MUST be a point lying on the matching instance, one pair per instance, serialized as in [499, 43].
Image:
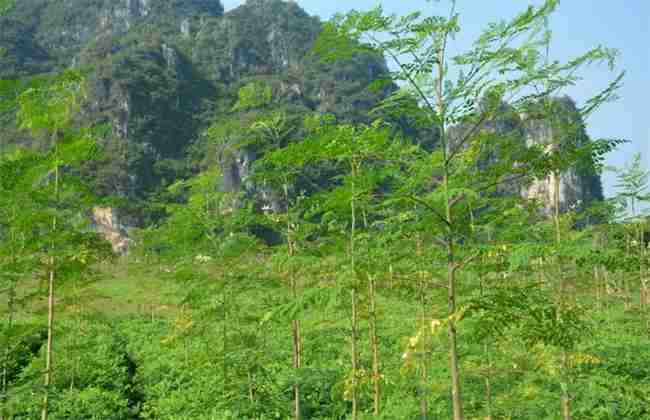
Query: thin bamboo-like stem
[566, 397]
[599, 289]
[626, 282]
[224, 344]
[642, 283]
[50, 298]
[488, 359]
[355, 361]
[643, 275]
[488, 380]
[454, 365]
[424, 373]
[376, 376]
[296, 366]
[355, 315]
[5, 360]
[486, 346]
[11, 308]
[251, 394]
[424, 366]
[565, 394]
[295, 324]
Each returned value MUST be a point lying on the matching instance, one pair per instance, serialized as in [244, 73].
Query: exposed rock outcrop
[42, 35]
[105, 221]
[579, 185]
[162, 70]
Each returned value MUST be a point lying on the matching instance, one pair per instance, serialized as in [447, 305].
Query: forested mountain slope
[161, 73]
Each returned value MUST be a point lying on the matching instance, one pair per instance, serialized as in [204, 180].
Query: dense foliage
[321, 236]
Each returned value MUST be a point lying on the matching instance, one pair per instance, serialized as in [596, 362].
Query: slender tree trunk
[251, 393]
[606, 289]
[565, 396]
[424, 374]
[626, 282]
[7, 352]
[457, 400]
[297, 345]
[642, 290]
[355, 361]
[296, 366]
[50, 298]
[453, 347]
[424, 403]
[488, 381]
[186, 350]
[76, 337]
[643, 275]
[376, 378]
[50, 336]
[11, 307]
[224, 339]
[355, 315]
[488, 358]
[451, 310]
[451, 305]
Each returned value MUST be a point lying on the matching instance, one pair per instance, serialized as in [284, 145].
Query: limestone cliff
[43, 35]
[578, 186]
[517, 131]
[161, 71]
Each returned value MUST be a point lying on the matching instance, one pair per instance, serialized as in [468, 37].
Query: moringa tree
[47, 108]
[504, 65]
[362, 157]
[633, 185]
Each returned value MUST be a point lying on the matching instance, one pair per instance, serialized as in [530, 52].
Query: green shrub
[92, 374]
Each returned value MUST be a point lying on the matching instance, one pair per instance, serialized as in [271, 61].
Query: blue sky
[577, 25]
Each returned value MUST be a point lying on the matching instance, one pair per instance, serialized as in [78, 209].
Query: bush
[23, 342]
[92, 375]
[91, 403]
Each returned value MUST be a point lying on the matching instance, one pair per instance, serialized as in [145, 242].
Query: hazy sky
[577, 26]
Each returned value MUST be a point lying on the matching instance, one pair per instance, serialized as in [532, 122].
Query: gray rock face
[237, 170]
[159, 65]
[140, 83]
[577, 186]
[44, 35]
[146, 92]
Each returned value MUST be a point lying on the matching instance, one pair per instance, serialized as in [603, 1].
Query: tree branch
[430, 208]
